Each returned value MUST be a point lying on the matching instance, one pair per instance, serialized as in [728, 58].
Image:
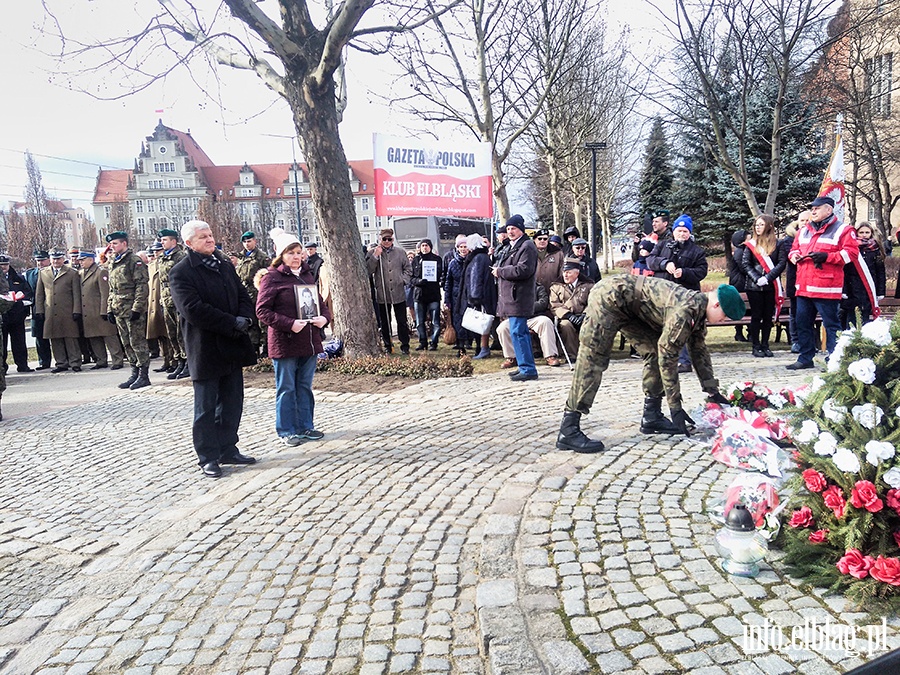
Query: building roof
[112, 186]
[194, 151]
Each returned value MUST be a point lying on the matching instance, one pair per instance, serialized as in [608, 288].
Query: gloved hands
[76, 317]
[39, 317]
[576, 320]
[111, 317]
[762, 281]
[819, 258]
[717, 397]
[474, 303]
[241, 324]
[682, 422]
[134, 316]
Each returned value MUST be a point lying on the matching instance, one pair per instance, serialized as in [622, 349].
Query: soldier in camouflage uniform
[129, 290]
[250, 261]
[173, 252]
[658, 317]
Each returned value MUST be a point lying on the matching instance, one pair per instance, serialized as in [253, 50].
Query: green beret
[248, 235]
[662, 213]
[112, 236]
[731, 303]
[167, 233]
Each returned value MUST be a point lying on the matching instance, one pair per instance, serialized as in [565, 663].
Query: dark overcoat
[208, 301]
[517, 278]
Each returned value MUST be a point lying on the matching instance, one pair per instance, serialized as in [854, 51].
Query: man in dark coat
[314, 260]
[14, 320]
[44, 353]
[516, 295]
[427, 270]
[215, 310]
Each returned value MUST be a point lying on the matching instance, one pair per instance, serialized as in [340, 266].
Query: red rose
[818, 536]
[802, 518]
[815, 481]
[749, 395]
[761, 404]
[865, 496]
[855, 564]
[893, 500]
[886, 570]
[789, 395]
[834, 500]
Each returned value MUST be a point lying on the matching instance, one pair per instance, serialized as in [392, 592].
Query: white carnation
[868, 415]
[833, 411]
[879, 451]
[808, 431]
[817, 383]
[826, 445]
[892, 477]
[778, 401]
[862, 370]
[761, 391]
[846, 460]
[878, 331]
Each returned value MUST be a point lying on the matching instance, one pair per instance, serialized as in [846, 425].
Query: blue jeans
[521, 339]
[294, 402]
[807, 308]
[423, 310]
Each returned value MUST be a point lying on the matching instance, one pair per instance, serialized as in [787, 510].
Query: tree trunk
[501, 200]
[316, 119]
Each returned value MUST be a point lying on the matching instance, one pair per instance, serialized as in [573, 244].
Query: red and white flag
[833, 182]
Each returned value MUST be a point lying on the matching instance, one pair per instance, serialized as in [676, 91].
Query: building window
[142, 227]
[279, 207]
[870, 215]
[367, 239]
[151, 205]
[107, 211]
[879, 73]
[164, 167]
[176, 183]
[163, 222]
[173, 205]
[162, 204]
[281, 223]
[185, 204]
[366, 222]
[364, 203]
[139, 206]
[255, 208]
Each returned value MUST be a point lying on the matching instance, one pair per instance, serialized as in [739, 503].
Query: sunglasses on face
[542, 239]
[580, 246]
[387, 239]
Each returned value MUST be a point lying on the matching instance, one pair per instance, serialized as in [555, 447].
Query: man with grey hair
[214, 309]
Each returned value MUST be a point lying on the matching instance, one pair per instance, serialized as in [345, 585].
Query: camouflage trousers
[134, 338]
[603, 319]
[173, 329]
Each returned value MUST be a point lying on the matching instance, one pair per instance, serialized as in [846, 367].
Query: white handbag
[476, 321]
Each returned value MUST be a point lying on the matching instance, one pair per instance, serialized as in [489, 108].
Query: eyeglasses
[580, 246]
[387, 239]
[542, 238]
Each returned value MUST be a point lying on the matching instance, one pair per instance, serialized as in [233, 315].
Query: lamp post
[594, 146]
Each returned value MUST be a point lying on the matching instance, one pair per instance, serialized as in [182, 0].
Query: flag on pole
[160, 111]
[833, 183]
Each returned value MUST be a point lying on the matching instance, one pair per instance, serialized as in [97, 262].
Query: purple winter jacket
[276, 307]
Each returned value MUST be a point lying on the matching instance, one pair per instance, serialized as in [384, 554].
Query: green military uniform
[164, 264]
[129, 290]
[658, 317]
[249, 263]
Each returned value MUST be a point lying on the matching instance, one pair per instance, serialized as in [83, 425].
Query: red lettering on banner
[418, 194]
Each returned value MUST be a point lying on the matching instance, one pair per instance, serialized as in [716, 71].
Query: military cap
[661, 213]
[312, 244]
[87, 253]
[155, 246]
[4, 259]
[571, 264]
[731, 302]
[112, 236]
[542, 233]
[167, 233]
[57, 253]
[822, 201]
[41, 255]
[73, 251]
[248, 235]
[501, 229]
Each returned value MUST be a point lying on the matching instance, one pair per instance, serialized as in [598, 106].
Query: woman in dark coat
[736, 275]
[760, 282]
[872, 253]
[479, 291]
[294, 343]
[790, 279]
[453, 284]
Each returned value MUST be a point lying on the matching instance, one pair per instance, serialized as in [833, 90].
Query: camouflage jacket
[163, 265]
[129, 284]
[249, 263]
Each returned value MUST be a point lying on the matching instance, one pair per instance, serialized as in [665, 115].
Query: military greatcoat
[156, 320]
[58, 297]
[94, 302]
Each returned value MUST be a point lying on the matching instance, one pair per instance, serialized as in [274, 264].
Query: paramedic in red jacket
[821, 249]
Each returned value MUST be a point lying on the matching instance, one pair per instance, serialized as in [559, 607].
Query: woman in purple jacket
[294, 343]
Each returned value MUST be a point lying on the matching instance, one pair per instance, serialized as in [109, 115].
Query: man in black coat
[214, 310]
[14, 320]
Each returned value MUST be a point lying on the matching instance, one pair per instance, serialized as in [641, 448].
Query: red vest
[836, 239]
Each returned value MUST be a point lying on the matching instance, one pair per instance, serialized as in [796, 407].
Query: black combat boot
[143, 379]
[135, 373]
[653, 421]
[164, 368]
[178, 368]
[184, 372]
[571, 437]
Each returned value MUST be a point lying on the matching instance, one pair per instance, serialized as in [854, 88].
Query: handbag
[476, 321]
[449, 334]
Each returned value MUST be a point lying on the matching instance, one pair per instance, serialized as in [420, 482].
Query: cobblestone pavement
[433, 530]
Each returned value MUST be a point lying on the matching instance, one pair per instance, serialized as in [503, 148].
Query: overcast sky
[71, 134]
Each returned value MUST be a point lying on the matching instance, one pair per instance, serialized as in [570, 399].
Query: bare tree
[298, 60]
[19, 241]
[43, 225]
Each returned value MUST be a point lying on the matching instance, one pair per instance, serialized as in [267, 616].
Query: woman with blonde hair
[763, 262]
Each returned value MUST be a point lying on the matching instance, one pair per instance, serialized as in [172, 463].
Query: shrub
[416, 367]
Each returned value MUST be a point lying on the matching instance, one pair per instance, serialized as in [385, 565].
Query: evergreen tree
[657, 176]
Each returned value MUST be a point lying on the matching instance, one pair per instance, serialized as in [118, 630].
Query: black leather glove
[717, 397]
[241, 324]
[134, 316]
[682, 422]
[818, 257]
[76, 317]
[39, 317]
[111, 317]
[576, 320]
[474, 303]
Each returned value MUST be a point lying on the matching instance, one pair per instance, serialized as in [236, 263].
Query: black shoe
[405, 350]
[178, 368]
[99, 366]
[76, 369]
[571, 437]
[799, 365]
[26, 369]
[740, 337]
[42, 367]
[758, 352]
[184, 372]
[422, 347]
[212, 470]
[60, 369]
[237, 458]
[767, 351]
[522, 377]
[433, 346]
[118, 366]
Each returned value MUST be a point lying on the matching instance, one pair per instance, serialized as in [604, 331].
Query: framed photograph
[429, 270]
[307, 296]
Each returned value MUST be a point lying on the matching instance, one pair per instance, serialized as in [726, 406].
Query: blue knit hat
[684, 220]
